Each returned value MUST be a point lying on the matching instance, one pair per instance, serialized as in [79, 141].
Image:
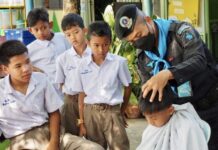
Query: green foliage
[126, 50]
[4, 144]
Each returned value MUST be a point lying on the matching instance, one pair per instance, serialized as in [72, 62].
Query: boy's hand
[82, 131]
[122, 111]
[124, 120]
[35, 69]
[53, 146]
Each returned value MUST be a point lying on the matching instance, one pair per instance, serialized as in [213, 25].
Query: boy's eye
[76, 32]
[28, 61]
[96, 45]
[17, 66]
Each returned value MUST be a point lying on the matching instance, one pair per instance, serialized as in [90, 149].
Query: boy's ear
[5, 69]
[30, 30]
[171, 110]
[85, 30]
[51, 24]
[87, 42]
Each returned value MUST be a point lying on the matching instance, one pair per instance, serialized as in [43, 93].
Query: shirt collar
[87, 51]
[45, 43]
[108, 57]
[9, 89]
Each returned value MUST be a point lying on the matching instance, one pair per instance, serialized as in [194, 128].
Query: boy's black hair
[37, 14]
[99, 28]
[9, 49]
[150, 107]
[70, 20]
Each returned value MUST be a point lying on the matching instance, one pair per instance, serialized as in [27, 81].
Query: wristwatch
[80, 121]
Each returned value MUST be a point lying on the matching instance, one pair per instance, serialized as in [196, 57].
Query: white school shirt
[184, 131]
[103, 84]
[19, 113]
[66, 68]
[43, 54]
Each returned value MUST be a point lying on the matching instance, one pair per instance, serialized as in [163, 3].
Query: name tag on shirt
[86, 71]
[7, 101]
[185, 90]
[71, 68]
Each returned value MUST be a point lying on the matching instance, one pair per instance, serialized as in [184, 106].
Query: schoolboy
[66, 66]
[47, 46]
[172, 127]
[101, 77]
[29, 105]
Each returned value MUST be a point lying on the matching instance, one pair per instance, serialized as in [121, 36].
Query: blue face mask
[145, 42]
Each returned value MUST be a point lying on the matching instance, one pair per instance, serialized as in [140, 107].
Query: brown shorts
[70, 114]
[105, 126]
[38, 139]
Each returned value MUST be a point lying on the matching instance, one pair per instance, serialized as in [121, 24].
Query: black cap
[125, 20]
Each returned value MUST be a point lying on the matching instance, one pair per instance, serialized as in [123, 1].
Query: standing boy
[29, 106]
[47, 46]
[66, 66]
[101, 77]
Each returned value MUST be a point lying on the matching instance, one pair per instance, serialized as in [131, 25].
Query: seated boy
[172, 127]
[100, 79]
[66, 66]
[47, 46]
[29, 106]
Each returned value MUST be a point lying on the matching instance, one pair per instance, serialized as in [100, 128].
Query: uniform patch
[125, 22]
[182, 28]
[189, 36]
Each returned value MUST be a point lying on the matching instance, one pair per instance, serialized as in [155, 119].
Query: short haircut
[150, 107]
[37, 14]
[71, 20]
[99, 28]
[9, 49]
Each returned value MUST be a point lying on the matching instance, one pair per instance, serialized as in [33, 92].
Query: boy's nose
[26, 68]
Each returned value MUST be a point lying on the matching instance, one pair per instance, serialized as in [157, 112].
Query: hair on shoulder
[9, 49]
[150, 107]
[99, 28]
[71, 20]
[37, 14]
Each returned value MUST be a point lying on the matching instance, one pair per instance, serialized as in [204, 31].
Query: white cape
[184, 131]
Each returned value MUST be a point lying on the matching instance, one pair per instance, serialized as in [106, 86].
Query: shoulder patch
[188, 36]
[182, 28]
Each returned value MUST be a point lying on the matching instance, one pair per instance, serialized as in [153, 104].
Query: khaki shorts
[105, 126]
[38, 139]
[70, 114]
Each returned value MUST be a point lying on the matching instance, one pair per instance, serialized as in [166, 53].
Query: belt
[102, 106]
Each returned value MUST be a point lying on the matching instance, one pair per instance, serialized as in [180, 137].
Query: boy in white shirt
[66, 66]
[172, 127]
[29, 106]
[101, 77]
[47, 46]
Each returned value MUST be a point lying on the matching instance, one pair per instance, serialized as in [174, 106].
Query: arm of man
[81, 114]
[126, 96]
[54, 127]
[194, 62]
